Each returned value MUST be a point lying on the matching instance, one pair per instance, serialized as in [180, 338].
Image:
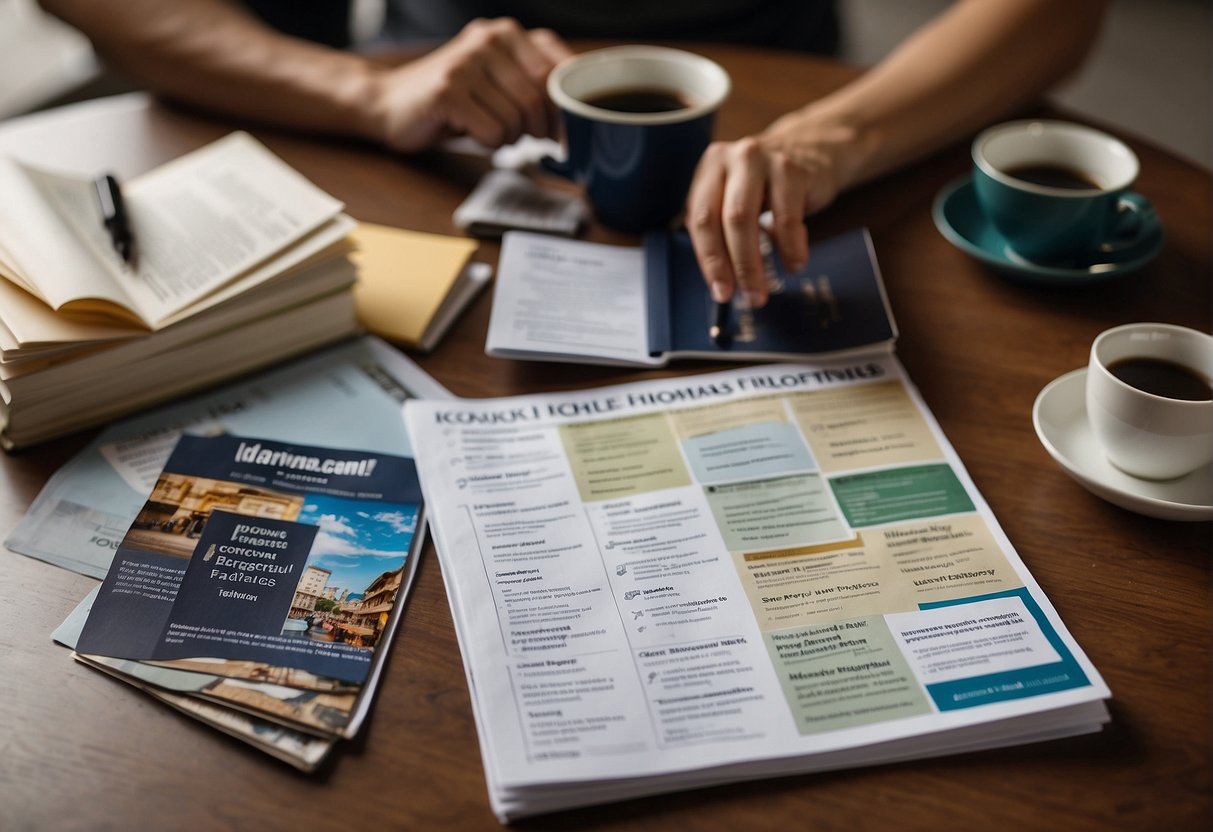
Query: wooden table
[80, 751]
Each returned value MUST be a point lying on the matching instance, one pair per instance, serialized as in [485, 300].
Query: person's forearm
[979, 61]
[217, 55]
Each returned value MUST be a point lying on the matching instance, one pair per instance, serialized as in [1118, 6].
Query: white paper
[505, 199]
[566, 298]
[715, 577]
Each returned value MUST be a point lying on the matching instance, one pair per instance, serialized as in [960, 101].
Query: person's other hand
[790, 170]
[488, 82]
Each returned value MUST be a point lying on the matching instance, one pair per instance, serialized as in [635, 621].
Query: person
[975, 62]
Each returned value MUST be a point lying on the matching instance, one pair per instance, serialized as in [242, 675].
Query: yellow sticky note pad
[405, 278]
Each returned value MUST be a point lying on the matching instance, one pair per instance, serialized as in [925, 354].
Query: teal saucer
[961, 221]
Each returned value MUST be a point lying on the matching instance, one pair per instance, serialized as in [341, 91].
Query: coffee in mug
[1160, 377]
[1149, 398]
[640, 100]
[636, 120]
[1060, 193]
[1055, 176]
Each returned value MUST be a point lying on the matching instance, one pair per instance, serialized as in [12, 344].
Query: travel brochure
[276, 571]
[114, 497]
[592, 303]
[774, 570]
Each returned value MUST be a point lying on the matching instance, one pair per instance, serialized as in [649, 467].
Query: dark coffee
[638, 100]
[1054, 176]
[1163, 378]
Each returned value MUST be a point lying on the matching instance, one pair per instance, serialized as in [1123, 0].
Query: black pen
[719, 330]
[114, 217]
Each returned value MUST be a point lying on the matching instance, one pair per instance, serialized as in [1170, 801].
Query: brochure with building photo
[263, 576]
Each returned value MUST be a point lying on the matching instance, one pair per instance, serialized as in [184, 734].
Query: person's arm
[976, 62]
[487, 82]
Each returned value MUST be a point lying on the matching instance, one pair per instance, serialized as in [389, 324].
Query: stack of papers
[264, 578]
[256, 584]
[775, 570]
[239, 262]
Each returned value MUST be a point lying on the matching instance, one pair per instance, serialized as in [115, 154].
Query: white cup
[1150, 435]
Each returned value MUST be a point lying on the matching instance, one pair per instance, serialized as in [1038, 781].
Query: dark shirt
[808, 25]
[322, 21]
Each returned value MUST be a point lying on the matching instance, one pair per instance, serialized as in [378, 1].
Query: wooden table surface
[81, 751]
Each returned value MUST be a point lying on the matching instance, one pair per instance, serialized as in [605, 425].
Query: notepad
[412, 285]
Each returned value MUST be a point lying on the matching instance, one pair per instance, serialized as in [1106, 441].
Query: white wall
[40, 57]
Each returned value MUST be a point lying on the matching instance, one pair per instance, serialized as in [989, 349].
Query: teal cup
[1060, 193]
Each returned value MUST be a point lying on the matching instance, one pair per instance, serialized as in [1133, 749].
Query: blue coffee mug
[1060, 192]
[636, 120]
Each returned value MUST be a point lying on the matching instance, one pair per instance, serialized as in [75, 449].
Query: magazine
[273, 573]
[772, 570]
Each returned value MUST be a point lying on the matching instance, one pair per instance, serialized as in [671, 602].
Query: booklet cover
[265, 563]
[569, 300]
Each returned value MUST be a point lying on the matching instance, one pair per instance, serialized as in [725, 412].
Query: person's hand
[790, 170]
[488, 82]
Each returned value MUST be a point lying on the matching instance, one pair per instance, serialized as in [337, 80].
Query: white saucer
[1060, 419]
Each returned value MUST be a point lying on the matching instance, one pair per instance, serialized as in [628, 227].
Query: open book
[569, 300]
[239, 262]
[203, 224]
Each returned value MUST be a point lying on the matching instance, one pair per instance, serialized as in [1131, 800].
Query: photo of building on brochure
[233, 586]
[353, 573]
